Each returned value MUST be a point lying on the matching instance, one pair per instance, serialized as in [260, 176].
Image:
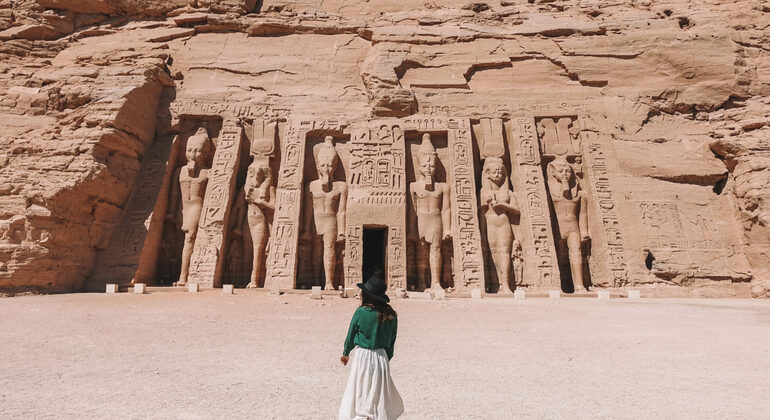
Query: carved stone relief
[282, 259]
[468, 269]
[609, 250]
[205, 262]
[540, 268]
[499, 208]
[136, 242]
[377, 197]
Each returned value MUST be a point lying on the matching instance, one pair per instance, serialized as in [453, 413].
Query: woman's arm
[352, 329]
[389, 349]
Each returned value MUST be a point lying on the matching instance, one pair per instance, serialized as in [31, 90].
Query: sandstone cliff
[682, 88]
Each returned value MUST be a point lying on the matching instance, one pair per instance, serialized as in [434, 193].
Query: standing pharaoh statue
[569, 204]
[499, 206]
[432, 208]
[260, 198]
[193, 178]
[327, 204]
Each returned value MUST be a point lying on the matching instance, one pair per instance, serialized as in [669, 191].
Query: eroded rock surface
[661, 112]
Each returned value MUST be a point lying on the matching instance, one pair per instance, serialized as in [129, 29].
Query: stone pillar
[207, 257]
[282, 260]
[132, 252]
[468, 260]
[608, 248]
[541, 268]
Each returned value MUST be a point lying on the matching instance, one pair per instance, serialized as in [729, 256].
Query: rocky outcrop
[680, 89]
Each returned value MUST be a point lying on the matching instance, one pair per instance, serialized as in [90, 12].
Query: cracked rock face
[662, 112]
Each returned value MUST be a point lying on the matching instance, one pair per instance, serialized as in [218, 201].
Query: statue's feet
[180, 283]
[328, 286]
[505, 291]
[436, 287]
[251, 285]
[581, 290]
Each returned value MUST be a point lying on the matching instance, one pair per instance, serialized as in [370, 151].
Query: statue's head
[198, 147]
[494, 170]
[427, 157]
[326, 160]
[561, 170]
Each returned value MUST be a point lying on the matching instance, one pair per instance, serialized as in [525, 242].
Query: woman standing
[370, 392]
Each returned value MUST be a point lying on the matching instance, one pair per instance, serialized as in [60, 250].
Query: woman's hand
[344, 360]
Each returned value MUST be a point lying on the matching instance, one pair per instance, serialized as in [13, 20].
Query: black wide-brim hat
[375, 288]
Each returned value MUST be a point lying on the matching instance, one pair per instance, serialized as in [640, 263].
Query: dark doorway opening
[375, 244]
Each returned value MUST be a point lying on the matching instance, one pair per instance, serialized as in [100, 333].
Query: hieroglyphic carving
[607, 209]
[397, 260]
[206, 264]
[282, 260]
[133, 250]
[230, 109]
[665, 229]
[541, 255]
[490, 137]
[559, 136]
[353, 255]
[468, 270]
[516, 109]
[377, 195]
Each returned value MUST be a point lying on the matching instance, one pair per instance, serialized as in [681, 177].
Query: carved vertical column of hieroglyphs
[609, 250]
[353, 260]
[133, 248]
[540, 255]
[395, 178]
[468, 263]
[282, 260]
[205, 263]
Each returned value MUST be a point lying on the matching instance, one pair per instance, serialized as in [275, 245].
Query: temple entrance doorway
[375, 246]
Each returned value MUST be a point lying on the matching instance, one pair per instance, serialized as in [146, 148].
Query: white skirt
[370, 393]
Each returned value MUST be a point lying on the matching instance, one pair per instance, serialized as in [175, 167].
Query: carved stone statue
[433, 212]
[499, 206]
[571, 213]
[193, 179]
[518, 262]
[327, 204]
[260, 197]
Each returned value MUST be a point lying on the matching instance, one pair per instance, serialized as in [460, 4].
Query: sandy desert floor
[181, 355]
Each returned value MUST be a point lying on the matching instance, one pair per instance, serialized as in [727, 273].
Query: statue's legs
[502, 259]
[258, 237]
[330, 257]
[422, 265]
[189, 242]
[435, 265]
[500, 243]
[318, 257]
[576, 261]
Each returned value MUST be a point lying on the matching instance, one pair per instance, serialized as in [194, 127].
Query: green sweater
[366, 332]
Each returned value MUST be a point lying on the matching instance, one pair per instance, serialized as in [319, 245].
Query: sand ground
[181, 355]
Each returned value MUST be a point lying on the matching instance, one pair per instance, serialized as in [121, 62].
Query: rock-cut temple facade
[503, 145]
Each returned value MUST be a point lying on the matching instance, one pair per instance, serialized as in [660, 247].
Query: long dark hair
[385, 312]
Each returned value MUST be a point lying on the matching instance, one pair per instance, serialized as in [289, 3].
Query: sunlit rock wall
[673, 96]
